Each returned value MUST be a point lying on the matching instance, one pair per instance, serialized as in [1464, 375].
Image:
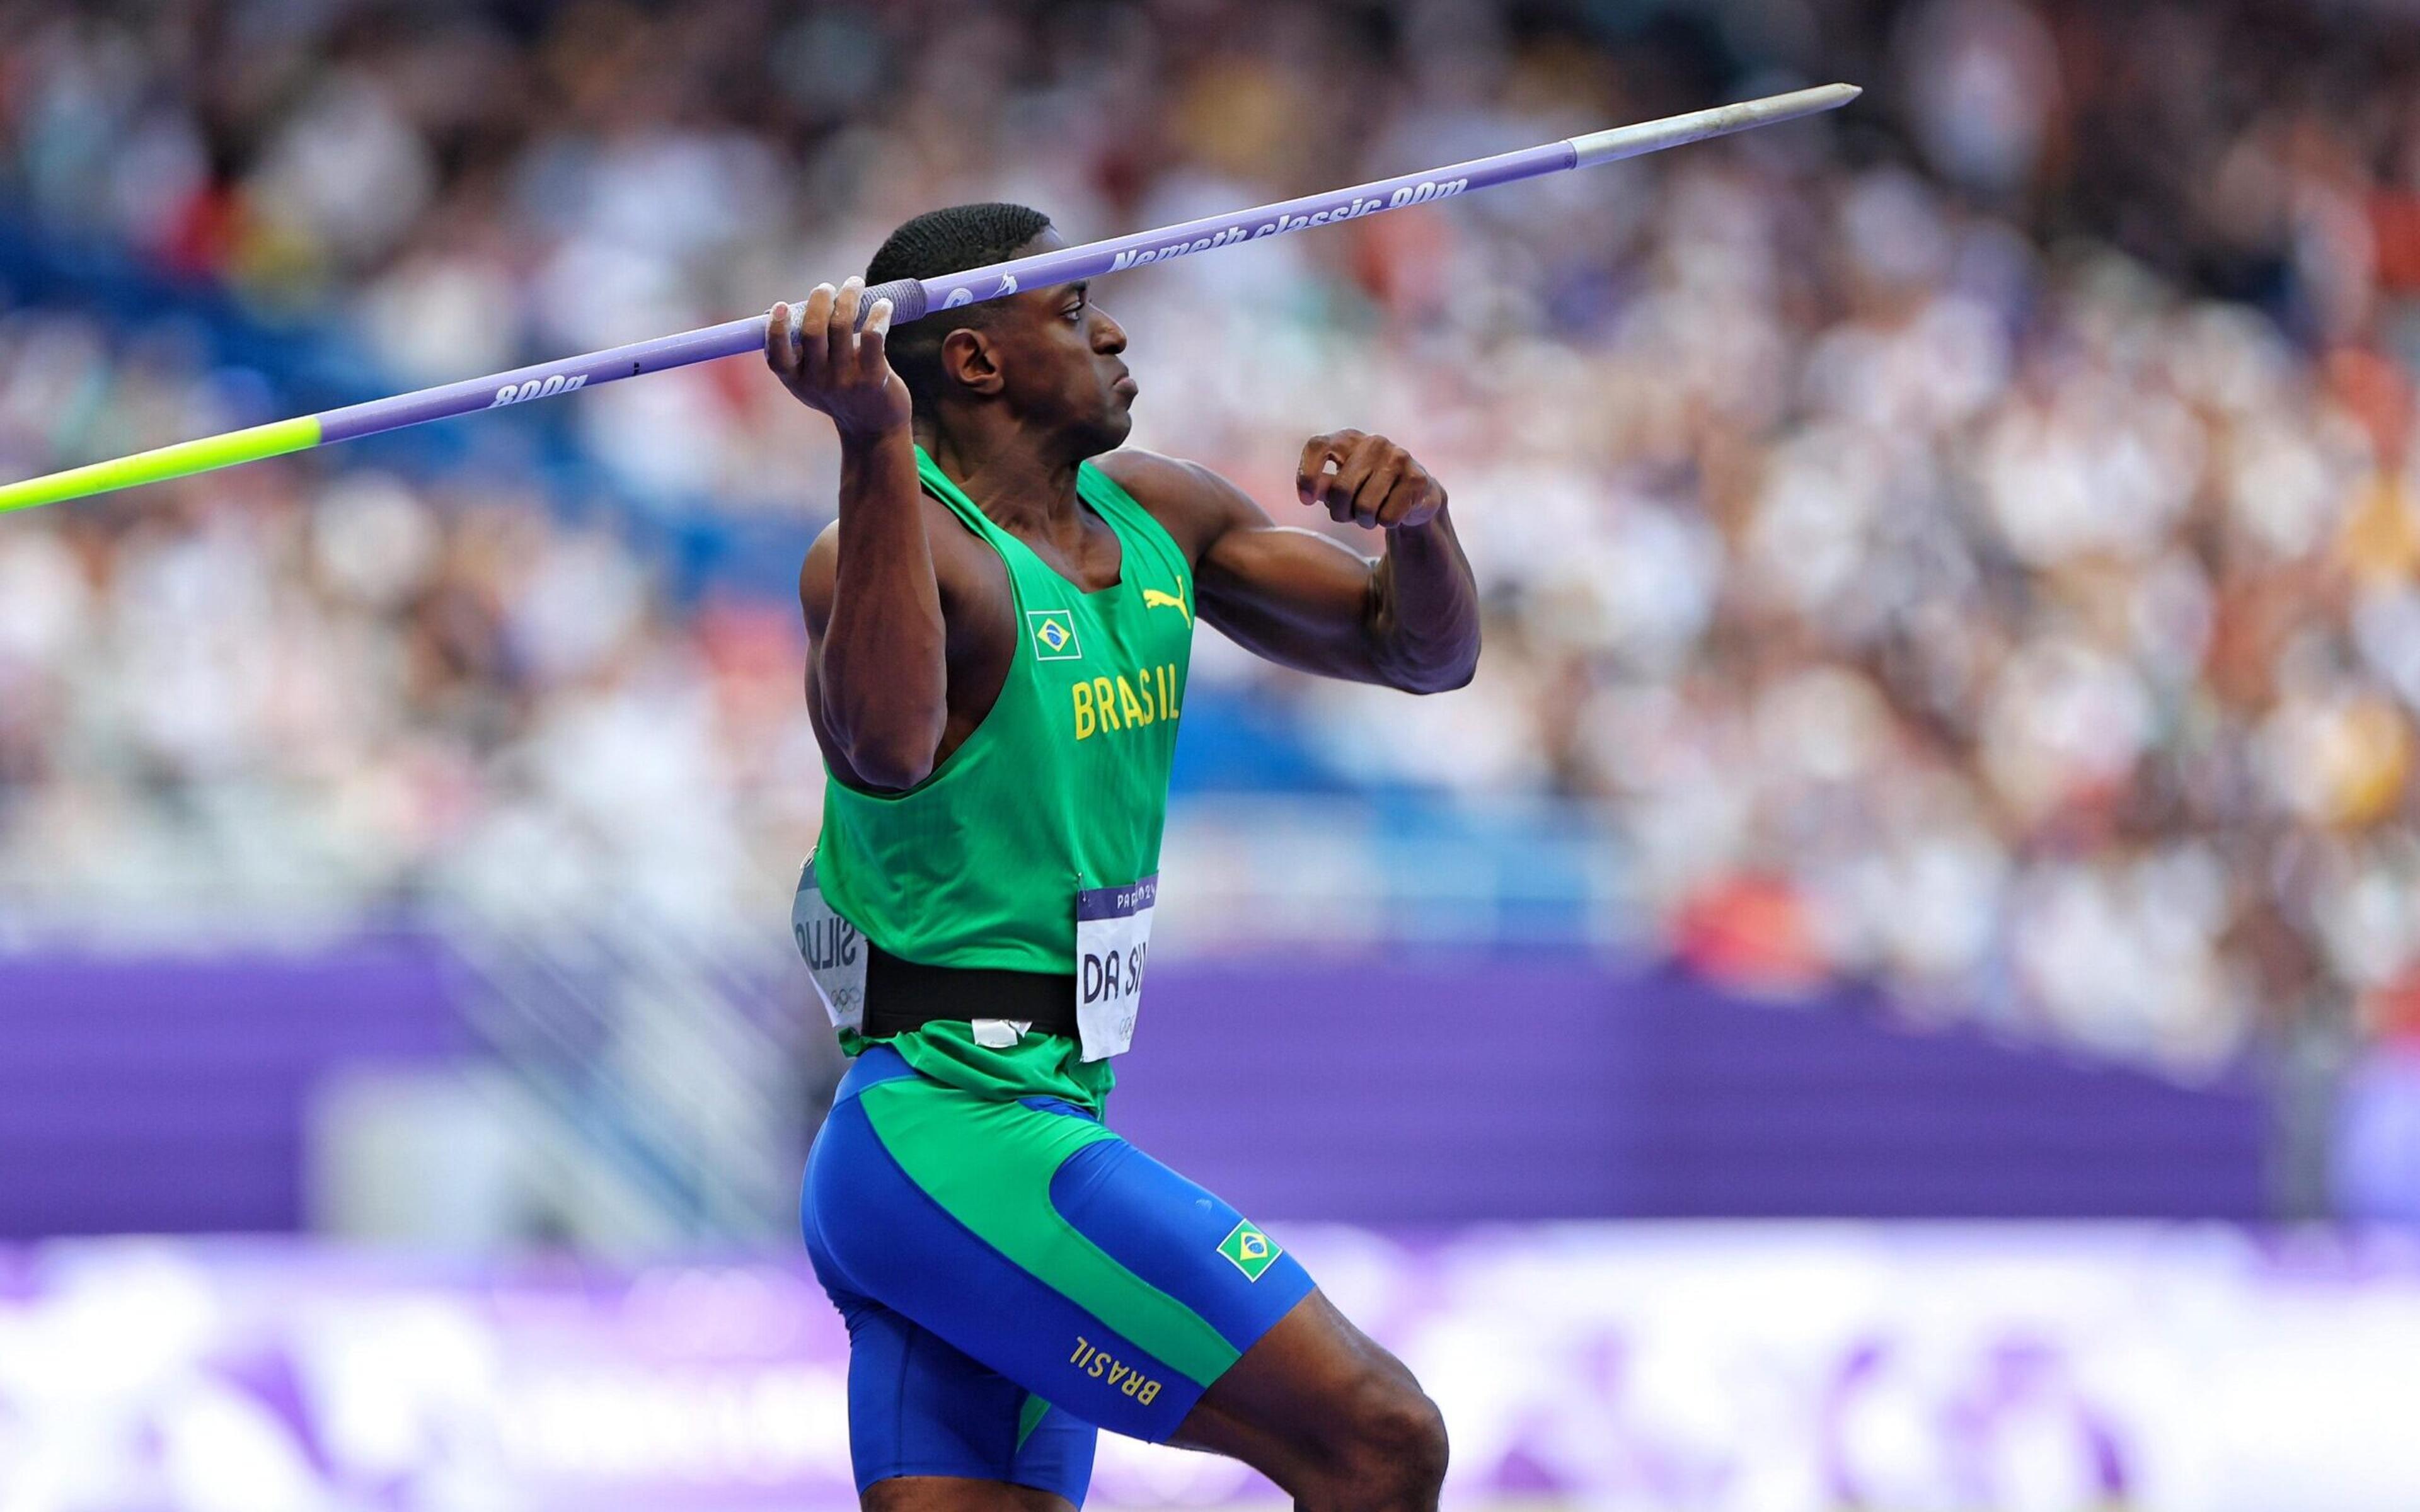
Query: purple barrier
[1449, 1091]
[167, 1094]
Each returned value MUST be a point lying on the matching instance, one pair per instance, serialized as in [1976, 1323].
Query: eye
[1074, 310]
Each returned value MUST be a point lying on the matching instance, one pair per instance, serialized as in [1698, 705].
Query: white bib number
[1113, 937]
[834, 952]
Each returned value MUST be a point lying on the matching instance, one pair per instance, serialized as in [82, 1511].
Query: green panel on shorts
[989, 1162]
[1030, 1416]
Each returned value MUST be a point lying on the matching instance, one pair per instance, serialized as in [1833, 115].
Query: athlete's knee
[1401, 1437]
[1390, 1451]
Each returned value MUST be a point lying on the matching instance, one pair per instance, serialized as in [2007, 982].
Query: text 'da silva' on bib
[1112, 937]
[834, 952]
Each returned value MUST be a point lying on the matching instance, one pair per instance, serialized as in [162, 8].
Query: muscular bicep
[1294, 596]
[959, 569]
[886, 703]
[819, 581]
[815, 580]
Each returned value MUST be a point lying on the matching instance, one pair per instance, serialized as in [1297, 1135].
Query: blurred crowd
[1969, 542]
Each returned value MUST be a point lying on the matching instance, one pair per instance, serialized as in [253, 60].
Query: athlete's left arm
[1408, 619]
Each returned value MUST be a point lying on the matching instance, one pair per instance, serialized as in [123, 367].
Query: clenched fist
[1368, 480]
[820, 356]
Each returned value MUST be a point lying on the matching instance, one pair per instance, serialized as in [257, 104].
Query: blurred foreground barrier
[1657, 1366]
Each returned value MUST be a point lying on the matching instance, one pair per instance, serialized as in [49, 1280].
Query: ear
[969, 360]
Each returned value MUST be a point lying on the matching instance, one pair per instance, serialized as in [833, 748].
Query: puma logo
[1154, 598]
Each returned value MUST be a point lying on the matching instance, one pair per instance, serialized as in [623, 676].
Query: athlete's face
[1057, 360]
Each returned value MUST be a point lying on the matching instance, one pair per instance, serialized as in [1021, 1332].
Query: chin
[1109, 433]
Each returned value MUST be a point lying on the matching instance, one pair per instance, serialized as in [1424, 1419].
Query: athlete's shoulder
[1155, 480]
[1193, 503]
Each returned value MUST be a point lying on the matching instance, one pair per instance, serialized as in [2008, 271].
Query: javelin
[911, 299]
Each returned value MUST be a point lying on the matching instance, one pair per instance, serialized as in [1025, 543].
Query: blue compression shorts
[1014, 1275]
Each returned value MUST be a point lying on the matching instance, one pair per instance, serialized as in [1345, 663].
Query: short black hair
[948, 241]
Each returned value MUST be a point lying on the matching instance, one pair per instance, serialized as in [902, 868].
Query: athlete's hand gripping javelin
[819, 354]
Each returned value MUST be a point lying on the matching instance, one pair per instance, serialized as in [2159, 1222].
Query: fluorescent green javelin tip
[273, 440]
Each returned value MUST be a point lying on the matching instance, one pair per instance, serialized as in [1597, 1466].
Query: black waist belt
[901, 995]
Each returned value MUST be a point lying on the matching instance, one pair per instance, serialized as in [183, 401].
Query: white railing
[657, 1067]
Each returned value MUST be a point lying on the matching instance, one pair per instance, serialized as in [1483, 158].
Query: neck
[1021, 479]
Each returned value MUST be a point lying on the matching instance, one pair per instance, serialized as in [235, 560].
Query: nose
[1108, 337]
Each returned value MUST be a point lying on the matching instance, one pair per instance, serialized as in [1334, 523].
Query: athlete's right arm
[877, 680]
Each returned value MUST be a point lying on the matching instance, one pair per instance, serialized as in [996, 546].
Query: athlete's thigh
[1308, 1386]
[1039, 1244]
[930, 1426]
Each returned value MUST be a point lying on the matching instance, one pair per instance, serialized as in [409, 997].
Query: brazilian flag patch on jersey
[1249, 1249]
[1054, 634]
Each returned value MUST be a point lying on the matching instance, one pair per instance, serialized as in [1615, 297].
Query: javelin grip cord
[915, 299]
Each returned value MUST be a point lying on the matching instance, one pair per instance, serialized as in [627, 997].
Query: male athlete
[1000, 624]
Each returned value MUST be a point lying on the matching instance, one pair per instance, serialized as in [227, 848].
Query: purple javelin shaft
[543, 380]
[913, 299]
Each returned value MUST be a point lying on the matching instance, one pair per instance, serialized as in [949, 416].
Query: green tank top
[1062, 787]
